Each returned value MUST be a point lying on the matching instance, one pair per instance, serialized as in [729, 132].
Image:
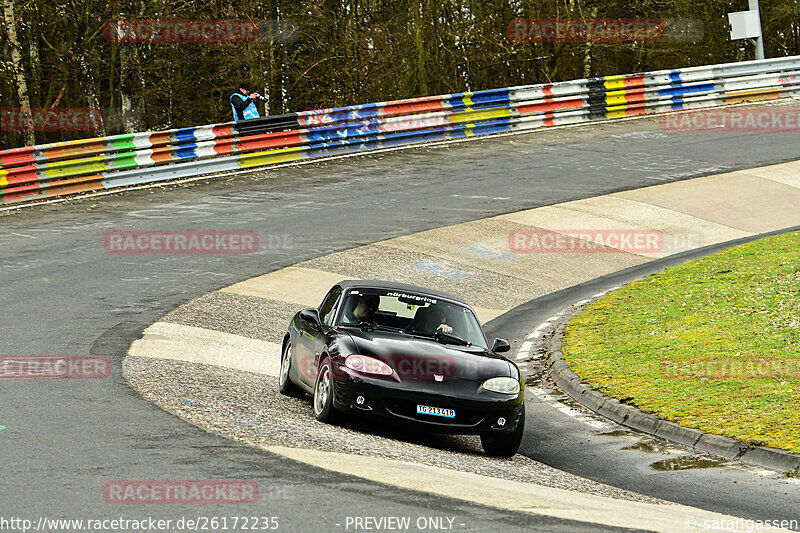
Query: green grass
[713, 344]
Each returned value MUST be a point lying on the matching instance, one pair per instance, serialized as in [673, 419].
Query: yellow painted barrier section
[752, 95]
[77, 142]
[78, 166]
[619, 99]
[614, 108]
[623, 110]
[612, 83]
[616, 114]
[281, 155]
[752, 92]
[3, 179]
[473, 116]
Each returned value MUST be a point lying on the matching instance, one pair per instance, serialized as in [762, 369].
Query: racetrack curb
[632, 417]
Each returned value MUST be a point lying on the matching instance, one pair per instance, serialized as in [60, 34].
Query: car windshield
[414, 314]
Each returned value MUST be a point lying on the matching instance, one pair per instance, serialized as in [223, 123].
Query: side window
[327, 310]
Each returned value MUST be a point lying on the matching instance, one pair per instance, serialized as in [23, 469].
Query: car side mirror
[310, 315]
[500, 346]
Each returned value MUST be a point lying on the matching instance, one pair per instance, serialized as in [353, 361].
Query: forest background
[59, 54]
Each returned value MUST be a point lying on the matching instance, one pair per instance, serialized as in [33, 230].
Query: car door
[312, 335]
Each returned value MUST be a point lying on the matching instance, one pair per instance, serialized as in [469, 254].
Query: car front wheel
[323, 395]
[504, 444]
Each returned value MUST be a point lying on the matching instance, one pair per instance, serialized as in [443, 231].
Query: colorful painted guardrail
[58, 169]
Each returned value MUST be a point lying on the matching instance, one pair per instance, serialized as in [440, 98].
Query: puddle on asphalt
[569, 402]
[644, 446]
[685, 463]
[617, 433]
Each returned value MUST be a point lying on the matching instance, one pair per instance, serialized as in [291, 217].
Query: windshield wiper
[418, 333]
[445, 338]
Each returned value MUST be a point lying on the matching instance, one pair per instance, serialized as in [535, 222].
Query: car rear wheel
[285, 385]
[504, 444]
[323, 395]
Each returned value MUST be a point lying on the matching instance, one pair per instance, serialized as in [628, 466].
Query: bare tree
[19, 70]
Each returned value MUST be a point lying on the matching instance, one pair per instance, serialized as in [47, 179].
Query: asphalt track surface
[62, 294]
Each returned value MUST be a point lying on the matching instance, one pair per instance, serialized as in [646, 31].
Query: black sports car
[406, 353]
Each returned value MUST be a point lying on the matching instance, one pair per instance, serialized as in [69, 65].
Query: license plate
[436, 411]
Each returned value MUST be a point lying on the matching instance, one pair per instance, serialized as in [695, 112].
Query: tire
[285, 384]
[323, 395]
[504, 444]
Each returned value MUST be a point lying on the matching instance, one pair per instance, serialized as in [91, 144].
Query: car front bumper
[477, 410]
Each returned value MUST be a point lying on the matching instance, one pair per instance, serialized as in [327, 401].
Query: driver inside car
[435, 320]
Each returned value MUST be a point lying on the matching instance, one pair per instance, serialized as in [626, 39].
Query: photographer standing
[243, 103]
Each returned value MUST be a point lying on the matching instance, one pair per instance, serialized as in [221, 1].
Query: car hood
[418, 358]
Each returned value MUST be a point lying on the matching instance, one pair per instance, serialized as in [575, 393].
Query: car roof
[396, 286]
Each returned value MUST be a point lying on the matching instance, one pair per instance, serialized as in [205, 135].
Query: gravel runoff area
[247, 408]
[238, 314]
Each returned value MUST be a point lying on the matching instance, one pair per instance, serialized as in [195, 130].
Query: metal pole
[758, 41]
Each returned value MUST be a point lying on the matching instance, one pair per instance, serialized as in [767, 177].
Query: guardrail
[58, 169]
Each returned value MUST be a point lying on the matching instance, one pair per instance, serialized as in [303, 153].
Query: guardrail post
[758, 41]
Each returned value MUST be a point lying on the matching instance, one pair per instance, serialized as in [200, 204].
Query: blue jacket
[243, 107]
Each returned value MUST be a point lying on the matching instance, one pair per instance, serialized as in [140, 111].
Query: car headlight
[367, 365]
[504, 385]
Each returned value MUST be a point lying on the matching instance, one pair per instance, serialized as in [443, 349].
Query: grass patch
[713, 344]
